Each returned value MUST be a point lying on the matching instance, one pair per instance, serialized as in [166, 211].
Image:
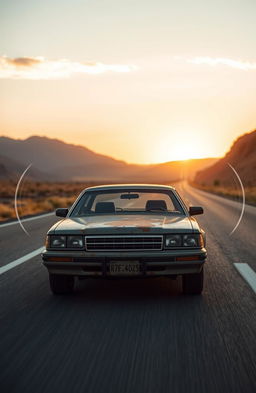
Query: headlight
[75, 242]
[193, 240]
[58, 241]
[172, 241]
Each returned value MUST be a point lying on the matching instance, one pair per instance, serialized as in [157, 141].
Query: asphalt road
[132, 336]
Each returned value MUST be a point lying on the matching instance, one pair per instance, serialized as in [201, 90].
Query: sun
[188, 150]
[181, 145]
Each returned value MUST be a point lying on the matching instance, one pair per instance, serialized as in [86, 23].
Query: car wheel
[192, 284]
[61, 284]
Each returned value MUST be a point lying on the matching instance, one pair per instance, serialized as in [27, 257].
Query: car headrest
[156, 205]
[105, 207]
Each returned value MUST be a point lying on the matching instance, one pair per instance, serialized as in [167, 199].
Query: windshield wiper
[157, 209]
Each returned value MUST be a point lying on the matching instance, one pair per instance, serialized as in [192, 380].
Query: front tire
[61, 284]
[192, 284]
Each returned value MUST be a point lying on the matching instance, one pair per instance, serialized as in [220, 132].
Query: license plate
[124, 268]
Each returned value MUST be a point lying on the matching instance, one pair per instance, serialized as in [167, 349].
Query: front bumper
[96, 264]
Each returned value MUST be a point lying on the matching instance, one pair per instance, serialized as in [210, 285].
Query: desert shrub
[6, 211]
[57, 201]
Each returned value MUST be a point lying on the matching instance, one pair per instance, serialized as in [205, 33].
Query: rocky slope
[242, 156]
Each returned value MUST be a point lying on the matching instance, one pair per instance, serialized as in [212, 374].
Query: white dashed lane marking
[21, 260]
[7, 224]
[247, 273]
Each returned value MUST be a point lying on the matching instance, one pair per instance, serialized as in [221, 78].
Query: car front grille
[123, 243]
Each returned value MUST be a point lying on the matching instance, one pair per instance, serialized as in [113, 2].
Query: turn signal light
[188, 258]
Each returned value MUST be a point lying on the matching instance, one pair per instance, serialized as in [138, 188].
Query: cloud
[214, 61]
[22, 61]
[36, 68]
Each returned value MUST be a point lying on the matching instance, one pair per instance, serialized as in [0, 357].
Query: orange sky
[163, 83]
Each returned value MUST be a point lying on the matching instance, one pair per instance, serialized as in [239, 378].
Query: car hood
[125, 224]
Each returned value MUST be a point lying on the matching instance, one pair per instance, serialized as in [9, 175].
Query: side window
[83, 205]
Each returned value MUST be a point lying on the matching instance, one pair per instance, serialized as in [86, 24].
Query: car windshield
[127, 201]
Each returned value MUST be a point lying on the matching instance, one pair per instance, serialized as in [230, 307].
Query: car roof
[108, 187]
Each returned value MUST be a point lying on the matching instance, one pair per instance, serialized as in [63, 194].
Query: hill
[11, 170]
[242, 156]
[184, 169]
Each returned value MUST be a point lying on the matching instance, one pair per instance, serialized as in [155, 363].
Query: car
[126, 231]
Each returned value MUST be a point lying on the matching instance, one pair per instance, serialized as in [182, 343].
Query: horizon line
[109, 156]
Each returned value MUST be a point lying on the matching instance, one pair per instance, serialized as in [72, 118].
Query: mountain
[60, 160]
[53, 159]
[51, 154]
[11, 170]
[184, 169]
[242, 156]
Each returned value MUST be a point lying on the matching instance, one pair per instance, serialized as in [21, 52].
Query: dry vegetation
[230, 192]
[36, 197]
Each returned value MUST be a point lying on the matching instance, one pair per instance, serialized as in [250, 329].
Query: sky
[142, 81]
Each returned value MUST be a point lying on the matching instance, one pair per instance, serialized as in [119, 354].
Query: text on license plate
[124, 268]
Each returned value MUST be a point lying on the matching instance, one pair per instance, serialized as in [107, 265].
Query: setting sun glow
[181, 145]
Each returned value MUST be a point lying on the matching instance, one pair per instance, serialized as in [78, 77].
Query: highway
[130, 336]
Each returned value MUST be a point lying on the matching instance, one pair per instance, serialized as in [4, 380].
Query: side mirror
[61, 212]
[194, 210]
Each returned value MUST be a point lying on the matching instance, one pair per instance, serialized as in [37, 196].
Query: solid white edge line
[21, 260]
[26, 219]
[247, 273]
